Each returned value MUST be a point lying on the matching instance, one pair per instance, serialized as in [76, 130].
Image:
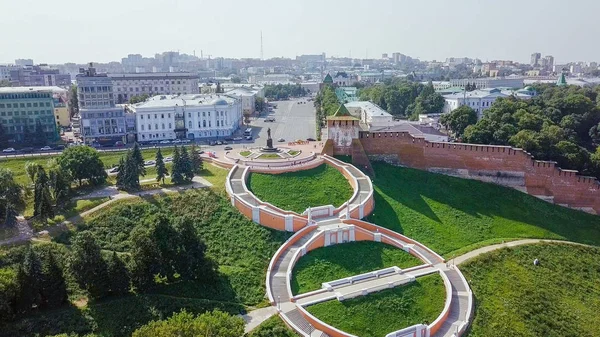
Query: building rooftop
[19, 90]
[427, 132]
[167, 101]
[369, 108]
[152, 75]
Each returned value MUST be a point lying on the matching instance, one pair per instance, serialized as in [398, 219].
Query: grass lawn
[74, 207]
[294, 152]
[269, 156]
[245, 153]
[296, 191]
[272, 327]
[560, 297]
[378, 314]
[452, 215]
[343, 260]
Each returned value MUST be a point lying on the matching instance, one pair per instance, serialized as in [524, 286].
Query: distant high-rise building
[24, 62]
[384, 56]
[549, 61]
[40, 75]
[535, 59]
[399, 58]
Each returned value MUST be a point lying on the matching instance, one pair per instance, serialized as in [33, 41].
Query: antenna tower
[261, 47]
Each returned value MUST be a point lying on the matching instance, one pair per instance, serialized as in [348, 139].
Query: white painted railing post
[347, 210]
[309, 216]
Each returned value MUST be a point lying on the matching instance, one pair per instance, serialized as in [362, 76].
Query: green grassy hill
[449, 214]
[559, 297]
[296, 191]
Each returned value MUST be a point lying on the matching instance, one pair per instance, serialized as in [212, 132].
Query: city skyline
[232, 29]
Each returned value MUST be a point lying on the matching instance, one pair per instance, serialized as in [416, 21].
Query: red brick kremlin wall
[500, 164]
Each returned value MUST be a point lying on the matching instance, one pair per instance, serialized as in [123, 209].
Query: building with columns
[128, 85]
[187, 117]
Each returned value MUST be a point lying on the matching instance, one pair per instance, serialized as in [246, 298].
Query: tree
[39, 137]
[53, 285]
[177, 170]
[161, 169]
[196, 159]
[183, 324]
[42, 203]
[138, 98]
[59, 184]
[118, 275]
[459, 119]
[5, 83]
[236, 79]
[136, 155]
[73, 101]
[3, 137]
[145, 258]
[192, 264]
[130, 172]
[259, 104]
[31, 168]
[83, 163]
[87, 265]
[28, 136]
[186, 164]
[9, 290]
[393, 100]
[121, 174]
[29, 279]
[12, 196]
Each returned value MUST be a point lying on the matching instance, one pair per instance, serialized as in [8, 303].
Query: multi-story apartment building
[126, 86]
[23, 108]
[489, 82]
[482, 99]
[187, 116]
[100, 120]
[39, 75]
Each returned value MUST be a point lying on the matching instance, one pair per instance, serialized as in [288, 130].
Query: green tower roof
[328, 79]
[342, 112]
[562, 81]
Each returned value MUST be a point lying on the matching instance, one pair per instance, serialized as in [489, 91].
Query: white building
[247, 98]
[369, 113]
[489, 82]
[481, 100]
[187, 116]
[126, 86]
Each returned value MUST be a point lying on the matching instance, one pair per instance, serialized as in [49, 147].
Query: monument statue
[269, 140]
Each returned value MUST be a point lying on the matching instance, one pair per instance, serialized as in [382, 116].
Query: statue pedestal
[270, 143]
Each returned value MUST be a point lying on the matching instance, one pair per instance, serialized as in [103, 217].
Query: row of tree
[561, 124]
[403, 98]
[43, 276]
[51, 187]
[186, 164]
[284, 91]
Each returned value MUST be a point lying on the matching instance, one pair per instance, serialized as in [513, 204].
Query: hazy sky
[61, 31]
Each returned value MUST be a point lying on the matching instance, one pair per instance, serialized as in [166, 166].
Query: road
[292, 121]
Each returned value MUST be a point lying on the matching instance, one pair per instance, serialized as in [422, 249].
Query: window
[169, 115]
[190, 124]
[156, 126]
[155, 116]
[189, 115]
[169, 125]
[203, 124]
[141, 116]
[162, 115]
[149, 127]
[203, 113]
[209, 114]
[163, 126]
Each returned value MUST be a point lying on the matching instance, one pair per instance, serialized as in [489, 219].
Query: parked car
[281, 140]
[270, 119]
[59, 147]
[238, 138]
[311, 139]
[165, 141]
[154, 142]
[176, 141]
[248, 137]
[186, 141]
[200, 151]
[46, 148]
[9, 150]
[225, 143]
[168, 159]
[228, 148]
[27, 150]
[119, 144]
[229, 139]
[114, 170]
[218, 142]
[149, 162]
